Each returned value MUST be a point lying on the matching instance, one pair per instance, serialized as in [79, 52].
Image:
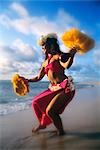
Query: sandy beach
[81, 120]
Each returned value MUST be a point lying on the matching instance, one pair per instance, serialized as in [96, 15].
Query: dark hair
[55, 50]
[52, 42]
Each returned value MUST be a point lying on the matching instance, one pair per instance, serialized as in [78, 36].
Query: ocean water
[11, 103]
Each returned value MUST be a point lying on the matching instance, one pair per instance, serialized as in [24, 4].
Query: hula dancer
[49, 104]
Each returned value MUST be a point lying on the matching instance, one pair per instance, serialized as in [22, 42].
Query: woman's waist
[66, 83]
[57, 79]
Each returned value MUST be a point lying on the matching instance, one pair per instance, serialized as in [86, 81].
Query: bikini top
[54, 66]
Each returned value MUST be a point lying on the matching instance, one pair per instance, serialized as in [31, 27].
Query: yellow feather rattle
[75, 38]
[20, 85]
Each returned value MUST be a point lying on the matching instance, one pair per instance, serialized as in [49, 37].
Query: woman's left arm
[39, 76]
[69, 61]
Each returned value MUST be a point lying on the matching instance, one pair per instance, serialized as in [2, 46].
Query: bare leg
[53, 109]
[58, 123]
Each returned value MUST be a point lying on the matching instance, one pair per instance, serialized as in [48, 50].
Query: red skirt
[40, 102]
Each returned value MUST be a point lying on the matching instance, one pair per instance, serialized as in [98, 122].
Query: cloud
[63, 48]
[22, 57]
[40, 25]
[5, 65]
[84, 73]
[66, 21]
[19, 51]
[14, 59]
[19, 9]
[96, 54]
[83, 69]
[5, 21]
[6, 59]
[27, 68]
[20, 25]
[63, 21]
[23, 48]
[6, 53]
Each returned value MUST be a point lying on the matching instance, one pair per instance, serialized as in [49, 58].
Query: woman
[51, 103]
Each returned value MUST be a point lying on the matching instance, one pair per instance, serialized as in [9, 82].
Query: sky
[22, 22]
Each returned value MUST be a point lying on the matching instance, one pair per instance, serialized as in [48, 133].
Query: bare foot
[38, 128]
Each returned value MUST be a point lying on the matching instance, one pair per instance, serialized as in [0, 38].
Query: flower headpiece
[43, 38]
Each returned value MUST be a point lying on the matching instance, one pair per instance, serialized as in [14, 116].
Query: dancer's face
[44, 49]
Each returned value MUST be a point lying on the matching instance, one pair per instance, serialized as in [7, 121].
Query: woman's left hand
[72, 51]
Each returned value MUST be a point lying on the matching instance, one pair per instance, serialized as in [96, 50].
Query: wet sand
[81, 120]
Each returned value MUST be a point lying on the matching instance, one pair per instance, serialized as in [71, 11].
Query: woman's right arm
[39, 76]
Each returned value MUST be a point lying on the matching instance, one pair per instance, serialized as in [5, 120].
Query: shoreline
[80, 119]
[8, 111]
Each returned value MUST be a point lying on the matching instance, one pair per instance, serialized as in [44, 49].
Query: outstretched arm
[39, 76]
[67, 64]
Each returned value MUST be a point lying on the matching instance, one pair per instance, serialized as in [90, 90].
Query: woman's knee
[50, 112]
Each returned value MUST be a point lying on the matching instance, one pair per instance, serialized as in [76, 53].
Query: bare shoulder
[56, 57]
